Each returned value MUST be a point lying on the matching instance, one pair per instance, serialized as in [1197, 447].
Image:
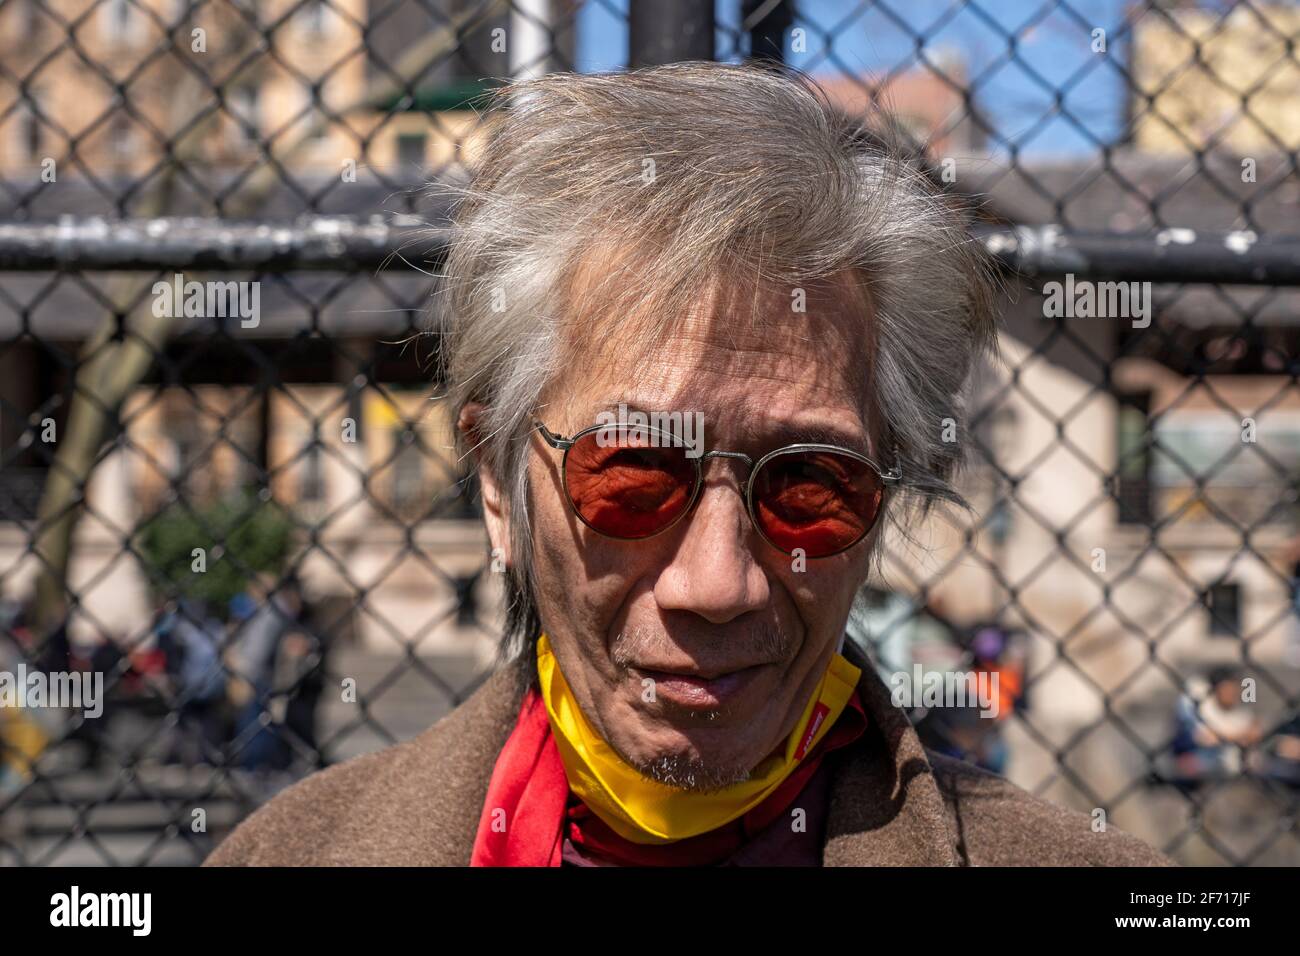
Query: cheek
[585, 582]
[556, 534]
[823, 591]
[562, 588]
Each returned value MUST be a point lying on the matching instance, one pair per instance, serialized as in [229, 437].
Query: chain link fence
[248, 522]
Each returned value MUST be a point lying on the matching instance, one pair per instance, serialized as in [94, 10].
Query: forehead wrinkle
[739, 399]
[736, 375]
[709, 340]
[724, 302]
[815, 425]
[771, 350]
[731, 385]
[837, 317]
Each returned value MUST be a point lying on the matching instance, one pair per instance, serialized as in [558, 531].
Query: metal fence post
[665, 31]
[767, 23]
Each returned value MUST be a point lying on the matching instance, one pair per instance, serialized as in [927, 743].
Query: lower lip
[697, 692]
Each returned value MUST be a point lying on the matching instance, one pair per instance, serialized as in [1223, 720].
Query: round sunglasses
[636, 481]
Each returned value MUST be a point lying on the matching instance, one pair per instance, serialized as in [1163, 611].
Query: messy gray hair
[707, 171]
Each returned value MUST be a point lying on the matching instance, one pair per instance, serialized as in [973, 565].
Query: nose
[713, 572]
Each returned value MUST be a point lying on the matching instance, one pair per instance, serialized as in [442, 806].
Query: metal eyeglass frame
[888, 479]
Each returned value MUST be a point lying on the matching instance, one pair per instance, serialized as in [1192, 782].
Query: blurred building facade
[1208, 81]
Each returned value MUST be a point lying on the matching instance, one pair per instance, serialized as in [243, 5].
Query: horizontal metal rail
[312, 243]
[1169, 255]
[346, 244]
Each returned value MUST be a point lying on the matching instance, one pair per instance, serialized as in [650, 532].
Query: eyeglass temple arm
[894, 475]
[552, 439]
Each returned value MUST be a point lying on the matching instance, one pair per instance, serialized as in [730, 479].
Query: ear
[494, 516]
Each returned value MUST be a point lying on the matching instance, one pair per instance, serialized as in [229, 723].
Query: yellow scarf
[645, 811]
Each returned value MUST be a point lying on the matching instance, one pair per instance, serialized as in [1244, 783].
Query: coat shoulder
[415, 803]
[299, 825]
[998, 824]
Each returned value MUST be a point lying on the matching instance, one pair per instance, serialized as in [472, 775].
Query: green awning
[457, 95]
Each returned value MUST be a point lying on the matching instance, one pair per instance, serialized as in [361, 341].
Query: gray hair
[708, 170]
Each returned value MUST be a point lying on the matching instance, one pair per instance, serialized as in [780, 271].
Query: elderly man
[701, 334]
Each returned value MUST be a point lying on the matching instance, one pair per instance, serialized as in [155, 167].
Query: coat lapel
[431, 799]
[886, 808]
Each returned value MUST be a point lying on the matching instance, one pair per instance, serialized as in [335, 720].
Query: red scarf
[528, 811]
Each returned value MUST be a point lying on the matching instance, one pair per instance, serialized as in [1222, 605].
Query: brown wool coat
[892, 803]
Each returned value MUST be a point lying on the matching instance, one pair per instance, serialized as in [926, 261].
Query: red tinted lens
[820, 501]
[624, 486]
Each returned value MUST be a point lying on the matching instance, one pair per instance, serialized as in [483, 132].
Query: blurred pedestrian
[192, 639]
[307, 652]
[254, 655]
[1214, 725]
[1293, 642]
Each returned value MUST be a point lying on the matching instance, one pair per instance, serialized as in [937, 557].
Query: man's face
[694, 652]
[1228, 693]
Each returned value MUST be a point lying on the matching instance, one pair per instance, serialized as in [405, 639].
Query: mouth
[697, 691]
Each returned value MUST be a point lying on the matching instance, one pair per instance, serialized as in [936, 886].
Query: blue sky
[1018, 98]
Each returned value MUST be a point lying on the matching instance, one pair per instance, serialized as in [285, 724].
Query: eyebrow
[776, 436]
[817, 434]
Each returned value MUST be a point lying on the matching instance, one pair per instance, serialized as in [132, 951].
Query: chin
[702, 759]
[696, 772]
